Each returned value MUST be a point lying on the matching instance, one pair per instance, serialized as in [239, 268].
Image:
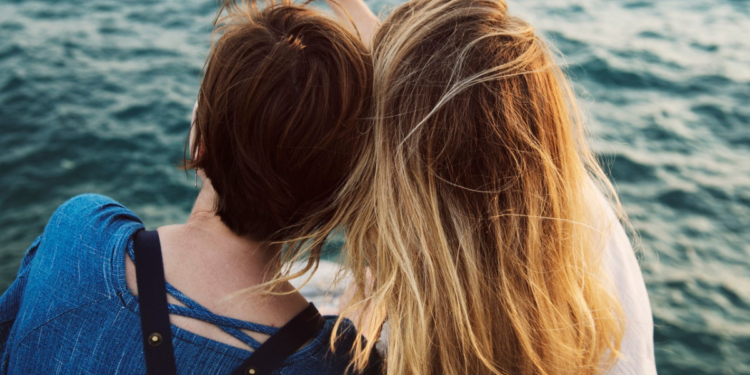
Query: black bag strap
[290, 338]
[152, 301]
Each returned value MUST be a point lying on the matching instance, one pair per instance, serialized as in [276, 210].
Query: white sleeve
[622, 267]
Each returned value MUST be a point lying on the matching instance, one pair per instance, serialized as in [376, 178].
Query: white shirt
[621, 266]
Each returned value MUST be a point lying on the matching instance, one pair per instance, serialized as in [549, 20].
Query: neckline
[122, 243]
[192, 309]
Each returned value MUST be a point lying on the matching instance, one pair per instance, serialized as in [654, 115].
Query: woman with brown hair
[276, 130]
[478, 234]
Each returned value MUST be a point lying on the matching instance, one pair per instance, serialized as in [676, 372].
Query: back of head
[278, 116]
[477, 227]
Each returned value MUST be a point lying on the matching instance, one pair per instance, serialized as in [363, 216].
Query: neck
[203, 209]
[203, 221]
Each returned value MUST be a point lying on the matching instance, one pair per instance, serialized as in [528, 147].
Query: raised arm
[363, 18]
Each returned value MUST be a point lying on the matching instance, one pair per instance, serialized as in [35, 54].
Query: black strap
[290, 338]
[152, 300]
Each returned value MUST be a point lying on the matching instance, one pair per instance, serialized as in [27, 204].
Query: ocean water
[95, 96]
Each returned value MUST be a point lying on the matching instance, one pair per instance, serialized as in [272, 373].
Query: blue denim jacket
[69, 311]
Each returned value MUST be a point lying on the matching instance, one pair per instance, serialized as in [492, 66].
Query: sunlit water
[95, 96]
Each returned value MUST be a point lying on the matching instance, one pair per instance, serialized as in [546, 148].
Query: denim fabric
[70, 311]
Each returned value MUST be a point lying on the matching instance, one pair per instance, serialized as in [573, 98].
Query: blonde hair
[473, 206]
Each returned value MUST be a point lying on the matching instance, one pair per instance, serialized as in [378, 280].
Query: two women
[477, 235]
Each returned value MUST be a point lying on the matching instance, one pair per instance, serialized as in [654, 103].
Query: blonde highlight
[473, 206]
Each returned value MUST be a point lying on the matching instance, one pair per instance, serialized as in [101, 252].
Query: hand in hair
[359, 15]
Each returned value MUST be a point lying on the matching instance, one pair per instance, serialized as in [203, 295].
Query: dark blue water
[95, 96]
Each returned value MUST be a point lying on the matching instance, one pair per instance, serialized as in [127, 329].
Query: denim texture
[69, 311]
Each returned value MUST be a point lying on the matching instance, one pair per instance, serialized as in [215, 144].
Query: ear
[201, 150]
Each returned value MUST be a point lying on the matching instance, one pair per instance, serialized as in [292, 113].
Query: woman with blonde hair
[478, 234]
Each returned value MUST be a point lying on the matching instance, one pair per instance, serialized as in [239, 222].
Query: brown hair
[277, 122]
[473, 207]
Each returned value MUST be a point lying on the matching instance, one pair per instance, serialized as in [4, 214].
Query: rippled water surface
[95, 96]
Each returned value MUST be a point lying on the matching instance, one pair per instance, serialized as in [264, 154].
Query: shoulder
[345, 335]
[317, 357]
[622, 269]
[619, 262]
[89, 206]
[90, 214]
[624, 273]
[83, 233]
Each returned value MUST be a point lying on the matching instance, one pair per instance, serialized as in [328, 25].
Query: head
[278, 117]
[473, 203]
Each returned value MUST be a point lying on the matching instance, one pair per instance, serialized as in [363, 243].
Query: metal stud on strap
[155, 339]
